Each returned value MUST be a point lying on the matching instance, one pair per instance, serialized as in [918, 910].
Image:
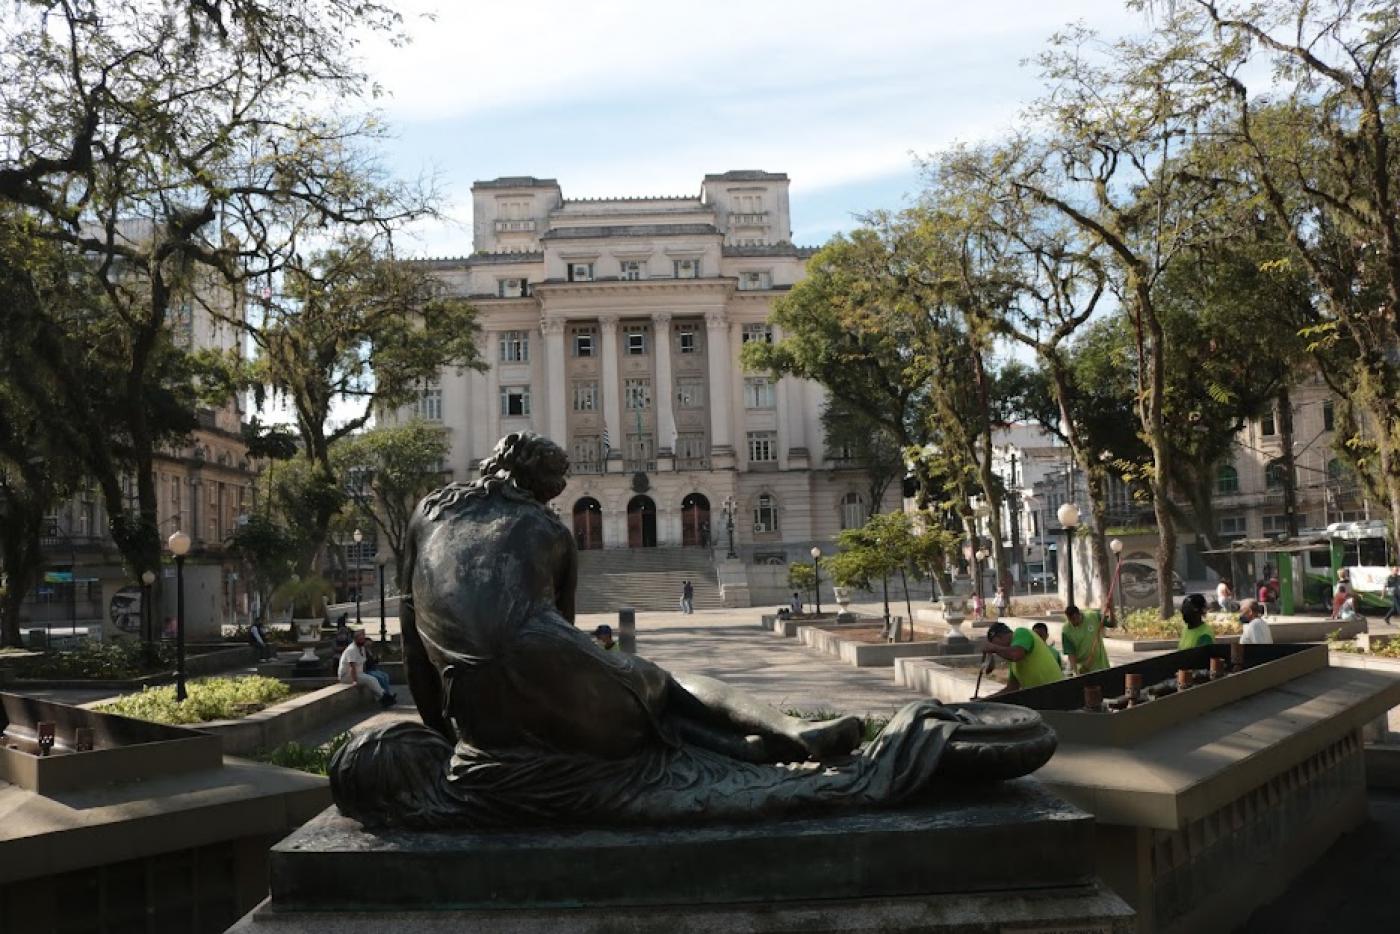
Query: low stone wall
[196, 666]
[280, 723]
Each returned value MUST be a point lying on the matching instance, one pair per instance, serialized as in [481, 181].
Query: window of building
[639, 453]
[765, 513]
[690, 393]
[584, 341]
[757, 332]
[763, 447]
[633, 269]
[1329, 416]
[754, 281]
[515, 210]
[585, 396]
[1227, 480]
[636, 335]
[687, 338]
[428, 405]
[1274, 475]
[852, 511]
[1232, 525]
[515, 400]
[580, 272]
[515, 346]
[758, 393]
[1268, 426]
[687, 268]
[691, 450]
[586, 455]
[1275, 525]
[512, 288]
[636, 394]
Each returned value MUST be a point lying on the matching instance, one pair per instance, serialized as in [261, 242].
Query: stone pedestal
[971, 860]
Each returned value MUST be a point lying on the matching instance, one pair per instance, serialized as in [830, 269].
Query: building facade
[614, 327]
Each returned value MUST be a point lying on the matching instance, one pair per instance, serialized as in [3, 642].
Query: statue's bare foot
[829, 738]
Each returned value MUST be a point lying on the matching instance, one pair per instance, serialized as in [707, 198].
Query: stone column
[493, 387]
[721, 418]
[664, 398]
[612, 401]
[557, 400]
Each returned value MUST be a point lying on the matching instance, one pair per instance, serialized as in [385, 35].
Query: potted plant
[306, 597]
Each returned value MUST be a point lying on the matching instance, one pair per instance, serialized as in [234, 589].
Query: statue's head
[534, 463]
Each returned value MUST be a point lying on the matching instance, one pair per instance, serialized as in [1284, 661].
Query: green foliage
[208, 699]
[802, 577]
[267, 550]
[1148, 624]
[313, 759]
[306, 596]
[388, 470]
[98, 661]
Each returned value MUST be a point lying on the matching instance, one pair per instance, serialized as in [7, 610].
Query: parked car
[1138, 582]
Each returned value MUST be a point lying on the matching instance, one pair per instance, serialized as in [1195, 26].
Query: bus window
[1320, 559]
[1371, 552]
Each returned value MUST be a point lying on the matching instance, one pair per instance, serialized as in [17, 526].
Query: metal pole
[180, 693]
[383, 630]
[357, 584]
[1069, 565]
[817, 587]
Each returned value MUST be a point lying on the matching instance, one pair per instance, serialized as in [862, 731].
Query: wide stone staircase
[644, 579]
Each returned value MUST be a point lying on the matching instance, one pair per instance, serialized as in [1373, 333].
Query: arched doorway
[695, 520]
[588, 524]
[641, 522]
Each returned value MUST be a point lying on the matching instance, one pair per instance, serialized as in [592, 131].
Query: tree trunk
[1097, 482]
[23, 561]
[1290, 470]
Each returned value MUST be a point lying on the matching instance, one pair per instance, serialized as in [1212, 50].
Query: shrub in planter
[209, 699]
[98, 661]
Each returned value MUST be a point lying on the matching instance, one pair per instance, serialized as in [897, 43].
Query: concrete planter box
[206, 663]
[1389, 666]
[280, 723]
[950, 679]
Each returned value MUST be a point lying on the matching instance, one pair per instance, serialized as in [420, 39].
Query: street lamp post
[729, 507]
[147, 616]
[1115, 546]
[179, 544]
[817, 576]
[981, 556]
[1068, 514]
[382, 559]
[358, 537]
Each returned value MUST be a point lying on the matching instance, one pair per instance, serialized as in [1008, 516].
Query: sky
[624, 98]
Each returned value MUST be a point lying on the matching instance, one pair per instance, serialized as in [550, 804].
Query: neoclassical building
[614, 327]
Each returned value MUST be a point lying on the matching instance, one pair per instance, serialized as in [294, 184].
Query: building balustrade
[746, 220]
[515, 226]
[692, 463]
[587, 467]
[632, 465]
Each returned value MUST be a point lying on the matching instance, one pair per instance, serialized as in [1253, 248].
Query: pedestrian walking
[1002, 602]
[687, 597]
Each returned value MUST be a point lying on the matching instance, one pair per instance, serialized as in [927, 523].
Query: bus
[1363, 548]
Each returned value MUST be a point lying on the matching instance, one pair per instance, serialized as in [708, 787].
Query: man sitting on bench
[351, 670]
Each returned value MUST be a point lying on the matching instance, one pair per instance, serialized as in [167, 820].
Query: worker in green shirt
[1197, 631]
[1042, 630]
[1082, 638]
[1029, 658]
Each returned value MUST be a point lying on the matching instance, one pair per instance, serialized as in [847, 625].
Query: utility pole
[1017, 561]
[1290, 469]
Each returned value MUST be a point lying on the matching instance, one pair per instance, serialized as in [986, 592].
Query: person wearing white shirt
[1224, 595]
[1255, 630]
[351, 670]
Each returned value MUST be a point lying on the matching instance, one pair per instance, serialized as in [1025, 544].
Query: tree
[1318, 150]
[355, 325]
[170, 156]
[885, 544]
[802, 578]
[871, 444]
[387, 471]
[1115, 167]
[268, 551]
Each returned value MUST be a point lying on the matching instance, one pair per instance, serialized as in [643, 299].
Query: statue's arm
[567, 579]
[423, 680]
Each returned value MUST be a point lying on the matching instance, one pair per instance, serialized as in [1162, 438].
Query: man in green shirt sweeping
[1028, 657]
[1082, 639]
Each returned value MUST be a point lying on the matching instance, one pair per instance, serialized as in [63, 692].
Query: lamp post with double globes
[358, 537]
[1115, 546]
[817, 576]
[179, 544]
[729, 507]
[1068, 514]
[382, 559]
[147, 616]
